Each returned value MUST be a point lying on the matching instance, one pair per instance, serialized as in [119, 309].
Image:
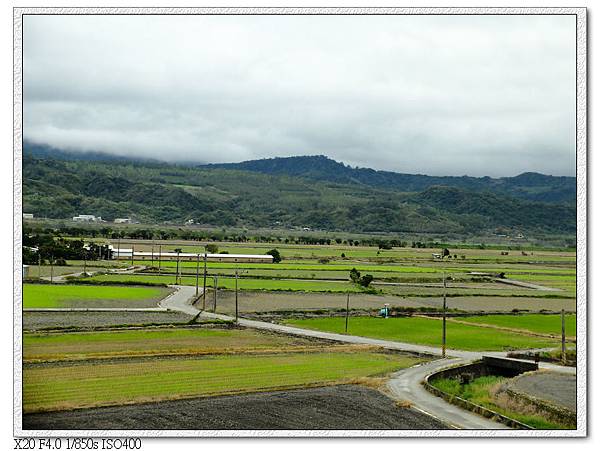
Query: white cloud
[446, 95]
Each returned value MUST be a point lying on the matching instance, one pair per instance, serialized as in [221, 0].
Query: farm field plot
[546, 324]
[283, 301]
[332, 407]
[427, 331]
[64, 387]
[40, 321]
[290, 251]
[132, 343]
[64, 296]
[243, 283]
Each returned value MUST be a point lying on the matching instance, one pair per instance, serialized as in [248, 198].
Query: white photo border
[581, 271]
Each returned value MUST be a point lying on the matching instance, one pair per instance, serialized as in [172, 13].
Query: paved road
[181, 299]
[406, 385]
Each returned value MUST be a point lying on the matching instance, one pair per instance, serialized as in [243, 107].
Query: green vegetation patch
[481, 391]
[70, 346]
[86, 385]
[57, 296]
[427, 331]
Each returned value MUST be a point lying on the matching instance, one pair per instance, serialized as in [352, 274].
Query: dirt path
[506, 329]
[533, 286]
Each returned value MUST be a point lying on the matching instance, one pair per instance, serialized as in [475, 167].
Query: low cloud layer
[441, 95]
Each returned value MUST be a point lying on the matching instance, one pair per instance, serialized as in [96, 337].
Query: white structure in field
[27, 215]
[125, 254]
[122, 220]
[87, 218]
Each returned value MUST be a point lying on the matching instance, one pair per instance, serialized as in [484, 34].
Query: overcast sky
[439, 95]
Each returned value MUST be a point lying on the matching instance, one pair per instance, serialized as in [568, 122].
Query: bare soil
[557, 388]
[332, 408]
[268, 302]
[89, 320]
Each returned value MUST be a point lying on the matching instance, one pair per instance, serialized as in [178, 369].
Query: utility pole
[236, 295]
[119, 248]
[197, 272]
[84, 264]
[347, 310]
[39, 264]
[152, 257]
[216, 281]
[159, 256]
[564, 344]
[177, 270]
[132, 252]
[204, 292]
[444, 320]
[51, 268]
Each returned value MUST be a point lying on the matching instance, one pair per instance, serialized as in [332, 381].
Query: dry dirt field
[338, 407]
[274, 301]
[33, 321]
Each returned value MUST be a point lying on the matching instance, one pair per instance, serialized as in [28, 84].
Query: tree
[276, 255]
[354, 275]
[366, 280]
[212, 248]
[445, 253]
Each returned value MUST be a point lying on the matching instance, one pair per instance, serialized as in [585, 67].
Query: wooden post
[563, 338]
[197, 272]
[444, 320]
[204, 292]
[236, 295]
[216, 281]
[347, 310]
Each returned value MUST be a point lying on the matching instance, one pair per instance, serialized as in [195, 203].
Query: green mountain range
[313, 192]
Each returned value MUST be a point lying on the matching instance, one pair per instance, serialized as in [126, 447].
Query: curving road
[181, 299]
[404, 385]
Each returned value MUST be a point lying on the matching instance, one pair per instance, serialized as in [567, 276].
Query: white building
[27, 215]
[122, 220]
[125, 254]
[87, 218]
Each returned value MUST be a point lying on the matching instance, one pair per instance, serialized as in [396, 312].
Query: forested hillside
[529, 185]
[158, 192]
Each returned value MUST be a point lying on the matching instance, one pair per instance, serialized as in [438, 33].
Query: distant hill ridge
[528, 185]
[288, 192]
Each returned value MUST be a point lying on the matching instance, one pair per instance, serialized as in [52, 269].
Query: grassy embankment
[482, 391]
